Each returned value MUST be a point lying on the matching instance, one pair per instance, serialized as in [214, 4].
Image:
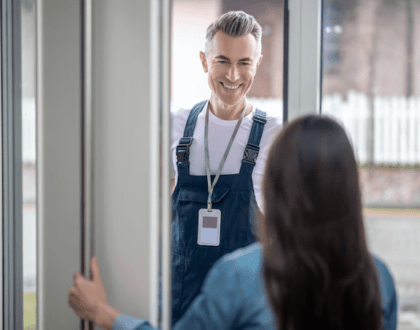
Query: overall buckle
[183, 150]
[251, 153]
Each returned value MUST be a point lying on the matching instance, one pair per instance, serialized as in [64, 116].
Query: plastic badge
[209, 227]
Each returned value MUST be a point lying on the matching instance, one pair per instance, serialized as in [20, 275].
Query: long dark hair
[317, 269]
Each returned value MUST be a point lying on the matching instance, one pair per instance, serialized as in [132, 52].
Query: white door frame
[304, 75]
[129, 181]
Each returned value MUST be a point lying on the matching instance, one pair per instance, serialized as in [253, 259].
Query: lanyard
[206, 143]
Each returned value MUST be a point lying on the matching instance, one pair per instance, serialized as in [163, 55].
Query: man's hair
[234, 24]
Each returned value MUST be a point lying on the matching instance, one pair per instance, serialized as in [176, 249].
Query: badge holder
[209, 219]
[209, 227]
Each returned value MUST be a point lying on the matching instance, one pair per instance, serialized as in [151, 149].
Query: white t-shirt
[220, 132]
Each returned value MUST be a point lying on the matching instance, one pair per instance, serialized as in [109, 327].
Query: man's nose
[233, 73]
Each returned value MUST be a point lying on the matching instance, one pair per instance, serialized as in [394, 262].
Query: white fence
[396, 125]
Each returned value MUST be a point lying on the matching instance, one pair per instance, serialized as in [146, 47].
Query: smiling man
[215, 146]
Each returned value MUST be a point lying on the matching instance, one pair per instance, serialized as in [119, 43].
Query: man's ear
[259, 61]
[204, 62]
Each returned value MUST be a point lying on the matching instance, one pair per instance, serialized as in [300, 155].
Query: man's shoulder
[179, 118]
[180, 113]
[274, 117]
[271, 127]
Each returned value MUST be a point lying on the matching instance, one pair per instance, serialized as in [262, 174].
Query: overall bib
[233, 195]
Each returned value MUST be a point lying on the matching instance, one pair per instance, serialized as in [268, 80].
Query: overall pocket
[190, 200]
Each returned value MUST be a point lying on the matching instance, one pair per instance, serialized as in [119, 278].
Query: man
[231, 59]
[217, 176]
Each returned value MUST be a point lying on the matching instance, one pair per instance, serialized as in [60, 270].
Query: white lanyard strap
[210, 186]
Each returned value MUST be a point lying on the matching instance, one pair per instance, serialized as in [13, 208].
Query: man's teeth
[230, 87]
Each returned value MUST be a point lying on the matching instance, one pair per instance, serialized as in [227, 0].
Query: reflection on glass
[371, 84]
[28, 166]
[190, 19]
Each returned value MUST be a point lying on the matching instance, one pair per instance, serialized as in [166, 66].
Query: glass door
[371, 84]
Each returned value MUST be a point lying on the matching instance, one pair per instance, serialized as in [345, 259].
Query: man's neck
[228, 112]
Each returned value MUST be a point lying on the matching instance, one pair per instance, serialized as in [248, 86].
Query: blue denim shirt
[233, 297]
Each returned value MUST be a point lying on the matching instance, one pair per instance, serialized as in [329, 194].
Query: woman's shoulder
[382, 269]
[238, 272]
[240, 266]
[384, 275]
[243, 282]
[387, 286]
[248, 258]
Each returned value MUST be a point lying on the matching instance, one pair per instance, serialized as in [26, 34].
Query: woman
[317, 268]
[312, 270]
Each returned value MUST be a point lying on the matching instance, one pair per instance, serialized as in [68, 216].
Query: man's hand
[88, 298]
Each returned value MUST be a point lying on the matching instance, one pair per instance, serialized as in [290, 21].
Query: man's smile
[230, 87]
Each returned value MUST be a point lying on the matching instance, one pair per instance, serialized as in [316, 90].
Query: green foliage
[29, 311]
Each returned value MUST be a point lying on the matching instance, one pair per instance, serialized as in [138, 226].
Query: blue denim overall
[233, 195]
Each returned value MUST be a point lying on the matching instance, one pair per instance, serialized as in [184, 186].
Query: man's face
[231, 64]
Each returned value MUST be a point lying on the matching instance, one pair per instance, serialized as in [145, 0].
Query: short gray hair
[234, 24]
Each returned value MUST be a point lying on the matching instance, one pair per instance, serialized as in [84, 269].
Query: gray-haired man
[214, 153]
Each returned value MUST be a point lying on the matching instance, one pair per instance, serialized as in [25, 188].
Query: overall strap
[252, 148]
[183, 148]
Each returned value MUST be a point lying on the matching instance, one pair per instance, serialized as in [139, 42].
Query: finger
[79, 280]
[76, 276]
[94, 269]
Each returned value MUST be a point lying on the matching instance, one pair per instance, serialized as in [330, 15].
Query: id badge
[209, 227]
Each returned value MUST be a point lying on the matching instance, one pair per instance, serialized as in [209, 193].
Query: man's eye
[245, 63]
[222, 62]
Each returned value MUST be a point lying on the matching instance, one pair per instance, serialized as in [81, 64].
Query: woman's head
[314, 246]
[311, 186]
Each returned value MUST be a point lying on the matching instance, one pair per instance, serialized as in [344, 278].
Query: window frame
[11, 167]
[304, 67]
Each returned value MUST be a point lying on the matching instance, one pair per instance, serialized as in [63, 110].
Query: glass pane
[371, 84]
[28, 166]
[190, 19]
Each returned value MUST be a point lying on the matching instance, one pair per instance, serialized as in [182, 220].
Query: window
[371, 84]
